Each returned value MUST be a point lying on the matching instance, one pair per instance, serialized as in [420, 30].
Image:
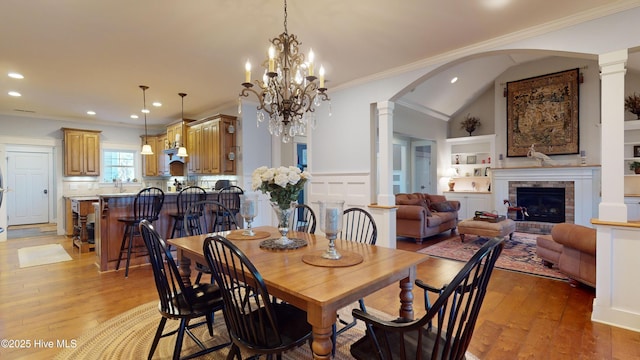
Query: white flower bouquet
[283, 184]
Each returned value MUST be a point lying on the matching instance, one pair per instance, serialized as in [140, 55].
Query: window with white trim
[119, 165]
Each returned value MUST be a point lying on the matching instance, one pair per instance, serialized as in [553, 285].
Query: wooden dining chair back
[358, 225]
[303, 219]
[454, 312]
[204, 217]
[146, 206]
[177, 300]
[208, 216]
[186, 197]
[255, 323]
[230, 198]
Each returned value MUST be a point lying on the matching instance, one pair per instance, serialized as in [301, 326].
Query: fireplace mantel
[586, 181]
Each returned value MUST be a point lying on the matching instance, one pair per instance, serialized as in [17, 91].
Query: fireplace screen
[542, 203]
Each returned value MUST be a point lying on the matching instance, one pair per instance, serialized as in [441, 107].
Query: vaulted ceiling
[79, 55]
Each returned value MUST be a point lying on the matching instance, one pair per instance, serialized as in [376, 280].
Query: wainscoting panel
[353, 188]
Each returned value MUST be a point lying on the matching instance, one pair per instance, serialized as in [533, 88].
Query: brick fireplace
[538, 224]
[581, 186]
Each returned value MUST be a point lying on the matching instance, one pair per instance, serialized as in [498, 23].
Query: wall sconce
[231, 129]
[231, 156]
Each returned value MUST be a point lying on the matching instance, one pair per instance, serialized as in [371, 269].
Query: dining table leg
[321, 345]
[184, 266]
[406, 295]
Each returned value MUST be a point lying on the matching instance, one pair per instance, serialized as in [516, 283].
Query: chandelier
[289, 90]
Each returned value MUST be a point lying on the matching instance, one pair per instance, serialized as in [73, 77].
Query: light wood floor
[523, 317]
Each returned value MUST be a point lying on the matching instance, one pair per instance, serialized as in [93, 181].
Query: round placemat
[271, 244]
[348, 259]
[237, 235]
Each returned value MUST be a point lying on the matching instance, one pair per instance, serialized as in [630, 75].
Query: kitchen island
[109, 230]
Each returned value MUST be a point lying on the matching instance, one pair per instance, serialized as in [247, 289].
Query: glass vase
[284, 217]
[249, 210]
[330, 214]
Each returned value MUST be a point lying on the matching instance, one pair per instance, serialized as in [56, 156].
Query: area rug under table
[42, 254]
[129, 336]
[519, 253]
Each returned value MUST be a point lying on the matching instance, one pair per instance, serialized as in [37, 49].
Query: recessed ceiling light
[145, 111]
[15, 75]
[455, 78]
[14, 93]
[91, 112]
[157, 103]
[134, 116]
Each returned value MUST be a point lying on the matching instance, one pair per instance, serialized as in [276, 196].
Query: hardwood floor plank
[523, 316]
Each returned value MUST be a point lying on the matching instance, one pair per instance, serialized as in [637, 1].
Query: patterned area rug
[129, 336]
[519, 253]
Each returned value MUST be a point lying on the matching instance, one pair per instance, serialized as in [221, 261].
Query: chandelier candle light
[289, 90]
[283, 184]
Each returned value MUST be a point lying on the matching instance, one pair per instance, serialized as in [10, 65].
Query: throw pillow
[444, 206]
[417, 202]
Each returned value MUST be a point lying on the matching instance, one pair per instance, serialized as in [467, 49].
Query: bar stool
[229, 197]
[186, 197]
[146, 206]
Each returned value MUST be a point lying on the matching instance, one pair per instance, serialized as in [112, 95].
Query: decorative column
[384, 212]
[617, 300]
[612, 72]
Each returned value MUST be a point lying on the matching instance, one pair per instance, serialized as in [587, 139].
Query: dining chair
[146, 206]
[358, 226]
[230, 198]
[303, 219]
[455, 312]
[256, 324]
[185, 198]
[202, 218]
[177, 300]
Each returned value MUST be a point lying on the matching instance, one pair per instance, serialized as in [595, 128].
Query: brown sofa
[573, 249]
[422, 215]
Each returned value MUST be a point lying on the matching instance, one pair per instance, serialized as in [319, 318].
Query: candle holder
[331, 224]
[248, 211]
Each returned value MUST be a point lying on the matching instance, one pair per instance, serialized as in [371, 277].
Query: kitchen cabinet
[470, 202]
[158, 163]
[211, 144]
[81, 152]
[163, 159]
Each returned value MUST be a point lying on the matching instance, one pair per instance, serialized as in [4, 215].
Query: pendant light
[146, 148]
[182, 151]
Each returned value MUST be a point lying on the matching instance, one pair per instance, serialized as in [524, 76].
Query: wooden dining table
[320, 290]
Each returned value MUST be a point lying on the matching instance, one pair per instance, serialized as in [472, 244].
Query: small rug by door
[41, 255]
[519, 253]
[129, 336]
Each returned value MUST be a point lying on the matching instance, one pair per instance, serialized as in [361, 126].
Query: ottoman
[486, 229]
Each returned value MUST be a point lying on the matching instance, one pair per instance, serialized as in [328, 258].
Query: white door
[28, 182]
[422, 154]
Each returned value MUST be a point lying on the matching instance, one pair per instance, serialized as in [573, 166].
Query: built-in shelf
[632, 125]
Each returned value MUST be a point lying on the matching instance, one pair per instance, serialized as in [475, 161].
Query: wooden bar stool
[146, 206]
[187, 197]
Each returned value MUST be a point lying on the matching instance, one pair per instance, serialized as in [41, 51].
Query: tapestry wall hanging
[543, 110]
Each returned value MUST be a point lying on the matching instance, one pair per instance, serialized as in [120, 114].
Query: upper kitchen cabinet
[158, 163]
[81, 152]
[211, 144]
